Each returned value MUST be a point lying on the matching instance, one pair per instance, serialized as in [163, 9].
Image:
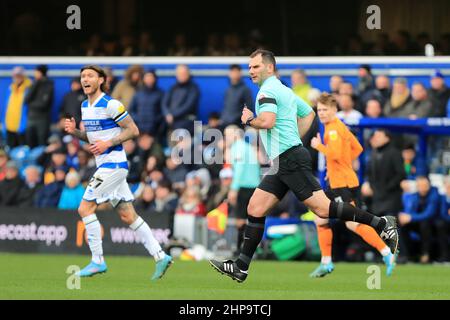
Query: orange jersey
[340, 149]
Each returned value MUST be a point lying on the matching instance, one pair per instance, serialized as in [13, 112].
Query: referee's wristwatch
[249, 120]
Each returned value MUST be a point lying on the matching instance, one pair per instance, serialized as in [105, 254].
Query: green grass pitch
[27, 276]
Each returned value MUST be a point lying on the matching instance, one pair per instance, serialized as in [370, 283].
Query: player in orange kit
[340, 149]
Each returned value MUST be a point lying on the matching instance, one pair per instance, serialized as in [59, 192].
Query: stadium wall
[210, 73]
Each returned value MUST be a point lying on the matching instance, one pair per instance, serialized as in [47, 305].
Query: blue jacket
[71, 198]
[235, 97]
[445, 206]
[145, 108]
[48, 197]
[181, 100]
[431, 206]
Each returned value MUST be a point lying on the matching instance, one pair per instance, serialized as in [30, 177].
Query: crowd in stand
[41, 166]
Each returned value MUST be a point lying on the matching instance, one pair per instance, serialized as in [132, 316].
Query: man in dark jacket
[420, 210]
[48, 196]
[440, 93]
[385, 173]
[31, 187]
[39, 100]
[236, 96]
[145, 107]
[180, 103]
[10, 187]
[71, 103]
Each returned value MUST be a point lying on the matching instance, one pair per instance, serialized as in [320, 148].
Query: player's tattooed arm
[130, 131]
[82, 135]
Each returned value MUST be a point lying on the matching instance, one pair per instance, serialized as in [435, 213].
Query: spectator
[201, 179]
[70, 106]
[397, 105]
[402, 44]
[440, 93]
[348, 113]
[385, 172]
[126, 88]
[409, 161]
[382, 90]
[382, 46]
[219, 194]
[3, 161]
[180, 47]
[165, 200]
[335, 82]
[10, 186]
[346, 88]
[135, 162]
[14, 115]
[72, 192]
[145, 107]
[175, 173]
[94, 46]
[213, 121]
[180, 103]
[72, 152]
[191, 202]
[39, 100]
[149, 147]
[49, 195]
[31, 187]
[374, 109]
[365, 80]
[443, 224]
[86, 165]
[127, 47]
[300, 85]
[420, 106]
[54, 155]
[420, 209]
[213, 47]
[146, 201]
[111, 80]
[146, 46]
[237, 95]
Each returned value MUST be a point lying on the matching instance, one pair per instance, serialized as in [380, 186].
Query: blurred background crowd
[41, 166]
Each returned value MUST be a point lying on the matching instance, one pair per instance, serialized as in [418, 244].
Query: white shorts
[108, 185]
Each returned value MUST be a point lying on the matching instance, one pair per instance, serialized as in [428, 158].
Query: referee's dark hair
[267, 56]
[101, 73]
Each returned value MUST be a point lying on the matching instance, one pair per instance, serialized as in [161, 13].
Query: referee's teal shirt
[275, 97]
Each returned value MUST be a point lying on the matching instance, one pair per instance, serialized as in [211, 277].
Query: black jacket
[39, 100]
[71, 104]
[385, 172]
[235, 97]
[181, 101]
[9, 191]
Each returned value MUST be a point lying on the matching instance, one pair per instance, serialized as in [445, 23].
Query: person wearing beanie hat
[39, 100]
[439, 92]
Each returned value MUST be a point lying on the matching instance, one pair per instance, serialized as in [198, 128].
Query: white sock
[94, 236]
[145, 233]
[385, 251]
[325, 259]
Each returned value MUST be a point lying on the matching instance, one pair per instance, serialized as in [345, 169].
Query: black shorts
[345, 194]
[243, 198]
[292, 170]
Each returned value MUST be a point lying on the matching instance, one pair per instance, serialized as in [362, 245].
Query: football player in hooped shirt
[107, 125]
[282, 119]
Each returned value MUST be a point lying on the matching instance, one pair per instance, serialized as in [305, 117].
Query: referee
[282, 118]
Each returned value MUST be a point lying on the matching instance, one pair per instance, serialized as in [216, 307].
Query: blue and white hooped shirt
[100, 121]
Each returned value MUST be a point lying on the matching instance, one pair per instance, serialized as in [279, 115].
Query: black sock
[347, 212]
[254, 232]
[240, 238]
